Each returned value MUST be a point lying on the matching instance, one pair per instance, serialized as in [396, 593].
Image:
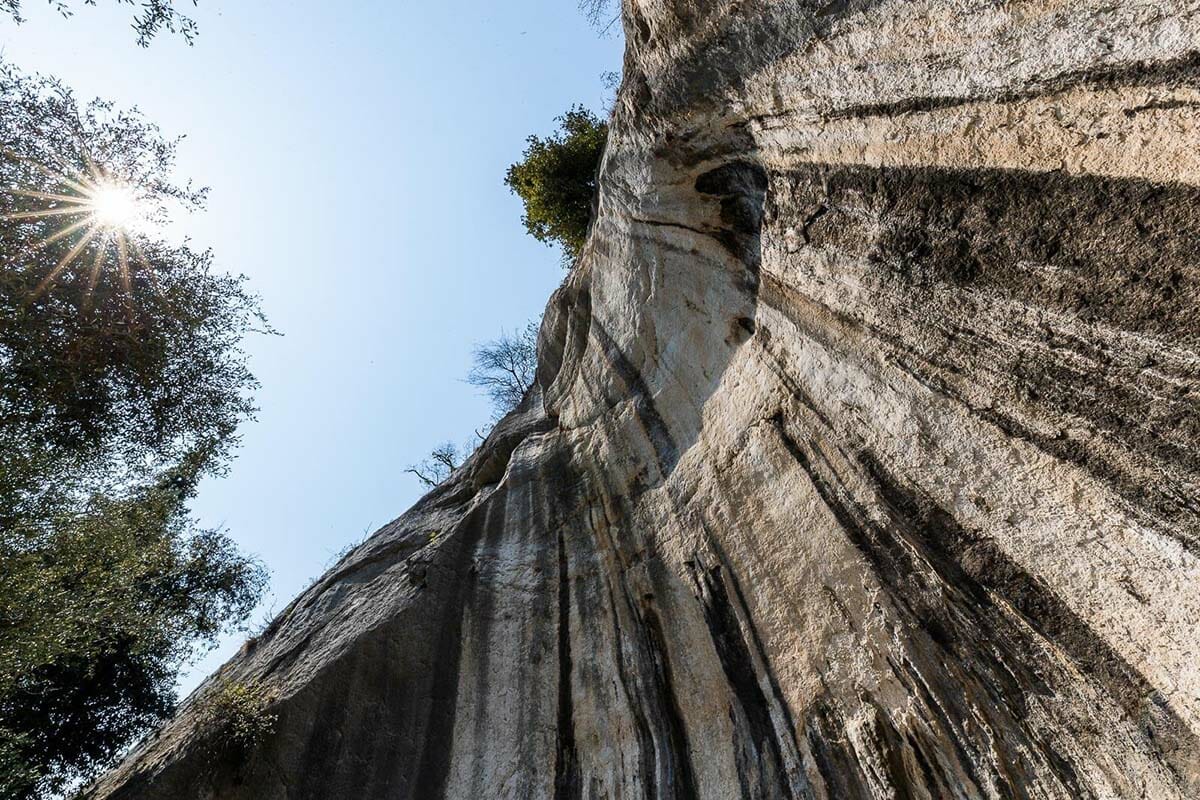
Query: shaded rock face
[863, 460]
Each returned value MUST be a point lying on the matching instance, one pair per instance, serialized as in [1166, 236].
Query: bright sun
[107, 214]
[114, 206]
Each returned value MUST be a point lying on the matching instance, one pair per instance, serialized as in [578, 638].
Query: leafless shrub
[443, 460]
[600, 13]
[506, 367]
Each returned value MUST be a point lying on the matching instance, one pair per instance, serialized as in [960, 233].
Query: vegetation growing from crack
[237, 717]
[505, 369]
[438, 465]
[556, 180]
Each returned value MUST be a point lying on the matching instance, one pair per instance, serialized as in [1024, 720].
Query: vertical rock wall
[864, 460]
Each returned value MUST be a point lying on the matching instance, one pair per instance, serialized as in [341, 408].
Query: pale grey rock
[863, 460]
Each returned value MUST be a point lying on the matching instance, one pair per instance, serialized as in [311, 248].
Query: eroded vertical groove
[434, 763]
[681, 781]
[647, 762]
[920, 534]
[567, 783]
[766, 777]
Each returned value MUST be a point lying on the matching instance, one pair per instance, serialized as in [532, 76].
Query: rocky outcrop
[863, 460]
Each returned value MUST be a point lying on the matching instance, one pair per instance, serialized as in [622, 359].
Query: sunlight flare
[114, 206]
[103, 211]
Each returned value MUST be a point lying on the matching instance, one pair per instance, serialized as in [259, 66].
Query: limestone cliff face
[864, 460]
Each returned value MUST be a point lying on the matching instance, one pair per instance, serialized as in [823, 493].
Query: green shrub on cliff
[557, 178]
[237, 717]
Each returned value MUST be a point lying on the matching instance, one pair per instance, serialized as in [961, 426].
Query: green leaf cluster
[556, 180]
[237, 717]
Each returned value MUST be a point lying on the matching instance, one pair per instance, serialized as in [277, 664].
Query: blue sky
[355, 153]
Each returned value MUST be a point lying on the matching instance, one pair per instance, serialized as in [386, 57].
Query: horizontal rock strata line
[1080, 132]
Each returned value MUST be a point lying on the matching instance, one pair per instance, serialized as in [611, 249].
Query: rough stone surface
[864, 460]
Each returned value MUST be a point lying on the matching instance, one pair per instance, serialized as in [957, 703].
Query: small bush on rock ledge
[236, 716]
[557, 178]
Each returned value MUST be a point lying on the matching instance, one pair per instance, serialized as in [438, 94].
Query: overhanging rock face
[864, 460]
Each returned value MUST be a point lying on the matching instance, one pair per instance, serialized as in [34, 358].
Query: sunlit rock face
[864, 459]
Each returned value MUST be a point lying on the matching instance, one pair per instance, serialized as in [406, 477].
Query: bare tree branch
[425, 478]
[441, 462]
[446, 455]
[597, 13]
[506, 368]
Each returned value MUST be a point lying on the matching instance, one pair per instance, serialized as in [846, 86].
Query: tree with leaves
[122, 384]
[101, 604]
[556, 179]
[155, 16]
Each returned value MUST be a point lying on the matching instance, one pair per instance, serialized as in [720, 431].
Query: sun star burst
[99, 209]
[114, 205]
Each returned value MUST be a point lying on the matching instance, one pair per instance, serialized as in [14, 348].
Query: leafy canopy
[108, 371]
[100, 607]
[122, 383]
[556, 179]
[155, 16]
